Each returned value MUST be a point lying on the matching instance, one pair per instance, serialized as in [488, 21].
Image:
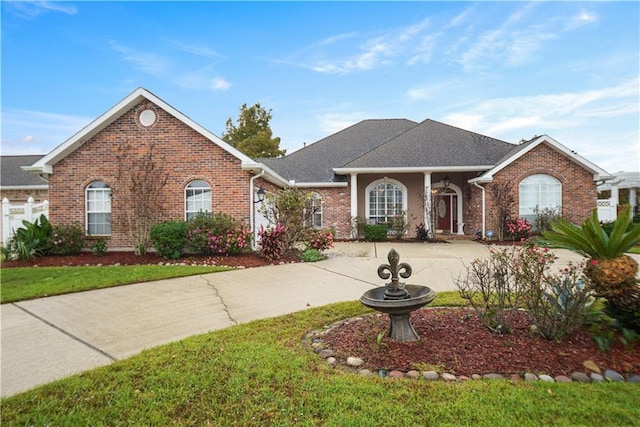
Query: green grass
[634, 250]
[261, 373]
[17, 284]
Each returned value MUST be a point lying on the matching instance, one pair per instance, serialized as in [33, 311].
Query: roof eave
[417, 169]
[45, 164]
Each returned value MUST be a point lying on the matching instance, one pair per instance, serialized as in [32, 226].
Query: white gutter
[421, 169]
[253, 209]
[484, 226]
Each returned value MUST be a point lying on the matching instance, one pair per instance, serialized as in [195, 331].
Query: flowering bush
[518, 228]
[320, 239]
[217, 234]
[273, 242]
[66, 239]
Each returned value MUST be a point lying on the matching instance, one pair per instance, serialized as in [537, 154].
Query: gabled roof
[434, 145]
[45, 164]
[518, 151]
[315, 162]
[12, 176]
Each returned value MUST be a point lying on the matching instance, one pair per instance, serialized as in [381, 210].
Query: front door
[447, 211]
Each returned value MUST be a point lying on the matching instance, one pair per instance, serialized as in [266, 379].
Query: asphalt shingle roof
[11, 175]
[315, 162]
[433, 144]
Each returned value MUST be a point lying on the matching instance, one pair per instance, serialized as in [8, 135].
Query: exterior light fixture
[446, 181]
[260, 195]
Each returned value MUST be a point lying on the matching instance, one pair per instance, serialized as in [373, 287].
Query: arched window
[98, 209]
[385, 199]
[537, 193]
[316, 211]
[197, 198]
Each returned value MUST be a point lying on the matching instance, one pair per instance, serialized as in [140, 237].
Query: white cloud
[330, 123]
[32, 9]
[588, 121]
[372, 52]
[197, 50]
[146, 62]
[37, 132]
[219, 84]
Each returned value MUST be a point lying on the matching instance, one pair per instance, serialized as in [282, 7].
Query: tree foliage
[252, 135]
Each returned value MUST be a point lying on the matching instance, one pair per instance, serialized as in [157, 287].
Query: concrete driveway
[50, 338]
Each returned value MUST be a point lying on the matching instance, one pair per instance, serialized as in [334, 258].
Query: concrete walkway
[51, 338]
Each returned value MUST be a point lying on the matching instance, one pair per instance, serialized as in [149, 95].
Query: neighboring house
[17, 185]
[628, 182]
[374, 170]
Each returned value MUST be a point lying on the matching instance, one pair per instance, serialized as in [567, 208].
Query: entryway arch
[450, 208]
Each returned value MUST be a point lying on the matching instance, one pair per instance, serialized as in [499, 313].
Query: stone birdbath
[397, 298]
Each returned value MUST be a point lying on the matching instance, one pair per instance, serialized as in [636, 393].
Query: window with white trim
[385, 199]
[539, 192]
[197, 198]
[316, 211]
[98, 209]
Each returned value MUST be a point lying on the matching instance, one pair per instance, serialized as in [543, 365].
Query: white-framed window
[316, 211]
[98, 209]
[197, 198]
[539, 192]
[385, 199]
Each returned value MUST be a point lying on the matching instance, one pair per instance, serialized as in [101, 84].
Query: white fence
[607, 210]
[13, 215]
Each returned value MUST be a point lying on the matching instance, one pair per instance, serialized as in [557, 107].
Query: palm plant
[613, 273]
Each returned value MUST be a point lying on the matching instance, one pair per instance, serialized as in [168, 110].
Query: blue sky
[510, 70]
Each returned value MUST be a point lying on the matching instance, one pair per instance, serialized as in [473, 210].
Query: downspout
[483, 209]
[253, 209]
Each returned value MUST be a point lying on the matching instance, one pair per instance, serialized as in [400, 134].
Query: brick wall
[579, 192]
[181, 152]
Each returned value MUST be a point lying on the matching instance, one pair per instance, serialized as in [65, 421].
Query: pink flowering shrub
[273, 242]
[217, 234]
[320, 239]
[519, 229]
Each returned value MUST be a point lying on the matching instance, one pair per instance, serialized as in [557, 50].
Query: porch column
[633, 199]
[427, 203]
[354, 205]
[615, 196]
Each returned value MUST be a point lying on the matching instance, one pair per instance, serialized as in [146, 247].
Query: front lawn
[17, 284]
[260, 373]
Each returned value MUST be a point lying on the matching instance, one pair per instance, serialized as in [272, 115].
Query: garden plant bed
[129, 258]
[455, 341]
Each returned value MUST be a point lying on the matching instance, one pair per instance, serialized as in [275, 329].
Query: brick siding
[182, 153]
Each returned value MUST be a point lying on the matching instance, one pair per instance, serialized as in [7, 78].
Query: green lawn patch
[17, 284]
[260, 373]
[634, 250]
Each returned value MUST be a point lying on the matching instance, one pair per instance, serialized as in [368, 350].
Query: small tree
[253, 135]
[140, 179]
[504, 202]
[292, 208]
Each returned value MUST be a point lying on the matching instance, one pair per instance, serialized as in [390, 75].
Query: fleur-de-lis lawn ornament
[395, 269]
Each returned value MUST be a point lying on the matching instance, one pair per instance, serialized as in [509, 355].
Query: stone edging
[314, 341]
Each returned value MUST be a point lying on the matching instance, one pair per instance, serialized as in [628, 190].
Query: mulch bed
[456, 341]
[129, 258]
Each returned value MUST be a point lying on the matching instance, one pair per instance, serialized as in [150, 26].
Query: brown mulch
[129, 258]
[456, 341]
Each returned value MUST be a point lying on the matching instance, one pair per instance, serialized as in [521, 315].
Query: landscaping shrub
[400, 225]
[560, 303]
[66, 239]
[99, 247]
[518, 229]
[29, 241]
[421, 232]
[311, 255]
[544, 218]
[375, 232]
[169, 238]
[273, 242]
[217, 234]
[498, 286]
[319, 240]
